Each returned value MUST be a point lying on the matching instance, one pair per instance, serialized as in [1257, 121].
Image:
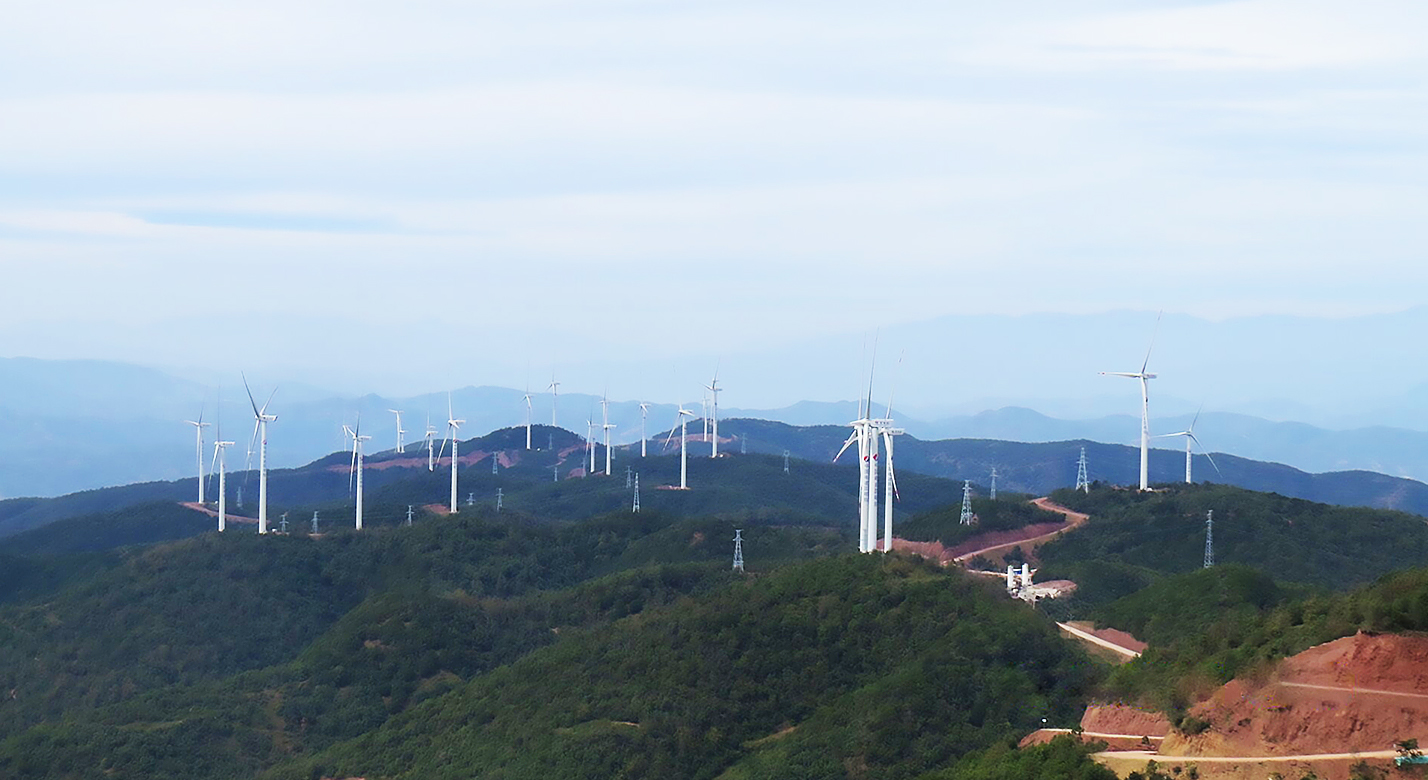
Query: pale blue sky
[780, 171]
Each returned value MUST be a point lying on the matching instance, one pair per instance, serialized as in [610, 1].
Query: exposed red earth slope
[1323, 710]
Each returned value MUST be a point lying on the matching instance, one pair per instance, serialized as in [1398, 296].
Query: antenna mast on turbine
[967, 516]
[1082, 483]
[1209, 538]
[739, 551]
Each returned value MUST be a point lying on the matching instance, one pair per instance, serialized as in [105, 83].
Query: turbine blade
[852, 438]
[900, 356]
[1153, 335]
[270, 400]
[251, 442]
[1197, 416]
[1206, 453]
[250, 394]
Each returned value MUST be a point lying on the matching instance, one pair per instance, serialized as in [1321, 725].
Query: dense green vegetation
[891, 665]
[1290, 539]
[1064, 758]
[569, 637]
[392, 651]
[215, 604]
[944, 524]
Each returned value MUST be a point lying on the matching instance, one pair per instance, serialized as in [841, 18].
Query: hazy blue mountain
[68, 426]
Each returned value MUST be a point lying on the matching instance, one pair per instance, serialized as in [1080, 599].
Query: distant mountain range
[67, 426]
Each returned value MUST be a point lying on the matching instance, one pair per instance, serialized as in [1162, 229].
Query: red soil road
[994, 541]
[1122, 645]
[468, 459]
[228, 517]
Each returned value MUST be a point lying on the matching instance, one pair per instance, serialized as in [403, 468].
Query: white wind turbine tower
[261, 418]
[1189, 434]
[430, 444]
[713, 388]
[198, 426]
[605, 424]
[355, 474]
[453, 426]
[590, 444]
[1144, 409]
[644, 413]
[401, 446]
[869, 433]
[684, 415]
[219, 448]
[885, 428]
[220, 462]
[528, 416]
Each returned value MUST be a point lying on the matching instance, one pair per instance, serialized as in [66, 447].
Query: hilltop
[817, 486]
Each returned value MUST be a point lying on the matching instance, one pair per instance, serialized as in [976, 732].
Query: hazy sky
[507, 177]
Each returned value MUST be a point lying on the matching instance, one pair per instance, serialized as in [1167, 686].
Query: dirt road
[1074, 520]
[1099, 642]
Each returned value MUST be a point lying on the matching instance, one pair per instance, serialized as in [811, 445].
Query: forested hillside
[887, 664]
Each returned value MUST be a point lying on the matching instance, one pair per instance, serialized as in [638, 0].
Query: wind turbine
[554, 398]
[198, 426]
[528, 416]
[1189, 434]
[401, 447]
[220, 462]
[453, 426]
[605, 416]
[430, 446]
[713, 388]
[644, 413]
[261, 418]
[355, 474]
[684, 415]
[590, 443]
[1144, 377]
[861, 437]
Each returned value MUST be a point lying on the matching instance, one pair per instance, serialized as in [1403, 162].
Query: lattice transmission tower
[967, 502]
[738, 550]
[636, 506]
[1082, 483]
[1209, 538]
[994, 483]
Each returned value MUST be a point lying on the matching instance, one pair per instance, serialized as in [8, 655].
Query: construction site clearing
[1324, 711]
